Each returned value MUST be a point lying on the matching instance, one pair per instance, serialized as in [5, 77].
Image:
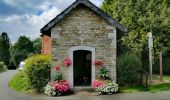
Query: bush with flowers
[49, 89]
[103, 83]
[58, 86]
[105, 86]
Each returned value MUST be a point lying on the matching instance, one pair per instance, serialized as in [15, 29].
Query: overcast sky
[27, 17]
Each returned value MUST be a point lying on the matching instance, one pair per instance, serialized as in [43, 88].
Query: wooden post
[161, 67]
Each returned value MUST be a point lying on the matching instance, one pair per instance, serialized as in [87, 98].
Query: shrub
[2, 67]
[37, 69]
[128, 66]
[57, 88]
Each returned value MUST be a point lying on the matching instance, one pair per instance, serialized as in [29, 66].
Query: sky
[27, 17]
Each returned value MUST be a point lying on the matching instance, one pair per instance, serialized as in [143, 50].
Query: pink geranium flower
[57, 68]
[62, 86]
[98, 83]
[98, 63]
[67, 62]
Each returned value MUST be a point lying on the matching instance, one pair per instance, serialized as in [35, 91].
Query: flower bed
[58, 88]
[104, 84]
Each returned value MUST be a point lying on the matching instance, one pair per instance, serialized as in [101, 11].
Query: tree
[21, 50]
[37, 45]
[141, 17]
[4, 48]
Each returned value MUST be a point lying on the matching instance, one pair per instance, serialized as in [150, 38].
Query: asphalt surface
[7, 94]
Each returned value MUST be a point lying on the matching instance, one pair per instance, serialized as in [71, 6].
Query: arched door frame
[71, 73]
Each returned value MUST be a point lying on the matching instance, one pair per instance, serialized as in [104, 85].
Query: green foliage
[128, 66]
[37, 45]
[21, 50]
[103, 73]
[21, 83]
[57, 76]
[141, 17]
[4, 48]
[3, 67]
[37, 69]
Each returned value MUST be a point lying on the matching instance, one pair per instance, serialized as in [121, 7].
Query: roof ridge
[89, 5]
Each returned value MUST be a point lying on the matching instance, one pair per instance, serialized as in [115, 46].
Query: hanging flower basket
[67, 62]
[98, 63]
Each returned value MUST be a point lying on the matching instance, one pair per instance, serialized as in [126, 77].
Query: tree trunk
[161, 67]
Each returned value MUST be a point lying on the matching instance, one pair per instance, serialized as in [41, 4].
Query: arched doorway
[82, 67]
[86, 55]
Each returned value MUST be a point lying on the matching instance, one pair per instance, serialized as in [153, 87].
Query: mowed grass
[128, 89]
[165, 77]
[150, 88]
[159, 88]
[20, 83]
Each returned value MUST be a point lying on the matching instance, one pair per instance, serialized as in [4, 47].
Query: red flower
[67, 62]
[57, 68]
[98, 83]
[98, 63]
[62, 86]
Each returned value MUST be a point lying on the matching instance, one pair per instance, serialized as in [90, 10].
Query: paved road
[8, 94]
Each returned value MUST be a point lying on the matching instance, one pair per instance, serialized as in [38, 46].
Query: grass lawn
[166, 77]
[160, 87]
[20, 83]
[151, 88]
[128, 89]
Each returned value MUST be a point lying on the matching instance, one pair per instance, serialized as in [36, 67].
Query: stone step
[82, 88]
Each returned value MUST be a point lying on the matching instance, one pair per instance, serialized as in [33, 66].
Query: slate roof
[90, 5]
